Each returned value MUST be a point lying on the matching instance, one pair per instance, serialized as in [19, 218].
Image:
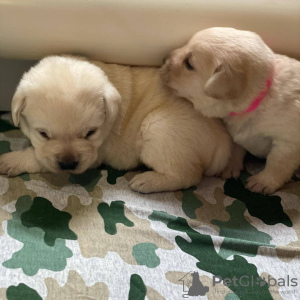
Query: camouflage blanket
[89, 236]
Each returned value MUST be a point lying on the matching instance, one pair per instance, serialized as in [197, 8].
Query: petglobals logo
[247, 281]
[192, 285]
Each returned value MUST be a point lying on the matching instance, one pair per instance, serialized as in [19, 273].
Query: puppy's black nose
[68, 165]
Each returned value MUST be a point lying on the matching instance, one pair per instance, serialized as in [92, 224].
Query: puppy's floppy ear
[17, 105]
[112, 100]
[225, 83]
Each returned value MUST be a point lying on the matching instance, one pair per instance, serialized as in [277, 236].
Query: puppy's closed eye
[188, 64]
[90, 133]
[44, 134]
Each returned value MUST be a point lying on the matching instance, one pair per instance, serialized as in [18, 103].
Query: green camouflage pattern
[89, 236]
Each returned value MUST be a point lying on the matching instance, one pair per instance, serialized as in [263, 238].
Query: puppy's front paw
[11, 164]
[233, 169]
[235, 164]
[149, 182]
[142, 183]
[262, 183]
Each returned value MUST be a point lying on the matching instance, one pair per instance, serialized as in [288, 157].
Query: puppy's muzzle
[68, 165]
[67, 161]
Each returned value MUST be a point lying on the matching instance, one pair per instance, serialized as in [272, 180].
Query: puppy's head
[66, 107]
[219, 70]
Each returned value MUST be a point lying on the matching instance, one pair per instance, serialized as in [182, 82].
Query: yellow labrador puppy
[234, 75]
[79, 115]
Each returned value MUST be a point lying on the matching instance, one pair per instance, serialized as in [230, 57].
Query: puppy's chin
[212, 109]
[167, 81]
[173, 90]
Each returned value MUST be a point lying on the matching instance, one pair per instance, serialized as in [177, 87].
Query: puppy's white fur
[222, 70]
[61, 101]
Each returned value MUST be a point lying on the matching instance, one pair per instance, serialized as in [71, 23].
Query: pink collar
[255, 103]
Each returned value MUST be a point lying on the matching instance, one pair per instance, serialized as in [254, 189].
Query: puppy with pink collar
[233, 75]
